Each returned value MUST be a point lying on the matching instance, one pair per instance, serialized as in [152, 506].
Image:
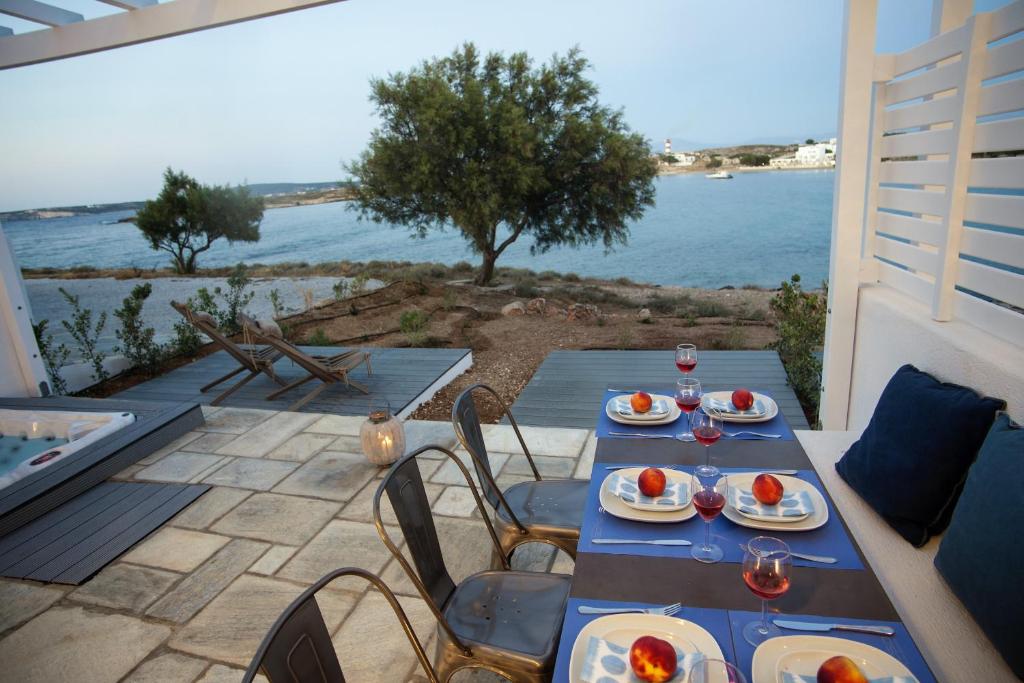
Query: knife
[808, 626]
[626, 541]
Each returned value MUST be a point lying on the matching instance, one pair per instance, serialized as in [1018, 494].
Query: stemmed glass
[688, 398]
[686, 358]
[709, 496]
[708, 670]
[766, 564]
[707, 427]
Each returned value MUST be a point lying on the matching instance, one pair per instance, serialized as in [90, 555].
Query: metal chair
[505, 621]
[298, 648]
[540, 511]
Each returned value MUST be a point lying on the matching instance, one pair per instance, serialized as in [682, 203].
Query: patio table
[663, 578]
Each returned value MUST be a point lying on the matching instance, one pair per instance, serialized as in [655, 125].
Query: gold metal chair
[298, 648]
[505, 621]
[540, 511]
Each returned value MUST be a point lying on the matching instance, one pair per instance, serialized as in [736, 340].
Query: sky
[284, 99]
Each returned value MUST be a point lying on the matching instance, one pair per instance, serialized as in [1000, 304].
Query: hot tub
[31, 440]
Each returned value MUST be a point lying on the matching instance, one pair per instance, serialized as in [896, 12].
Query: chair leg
[289, 387]
[217, 381]
[307, 398]
[235, 387]
[269, 371]
[356, 385]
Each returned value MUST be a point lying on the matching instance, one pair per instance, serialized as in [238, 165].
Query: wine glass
[686, 358]
[707, 427]
[708, 670]
[709, 496]
[688, 398]
[766, 564]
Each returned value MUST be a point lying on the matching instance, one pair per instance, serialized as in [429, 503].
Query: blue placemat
[776, 425]
[830, 539]
[714, 621]
[901, 645]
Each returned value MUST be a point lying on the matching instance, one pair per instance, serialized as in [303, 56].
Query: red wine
[688, 403]
[765, 583]
[686, 364]
[708, 503]
[707, 435]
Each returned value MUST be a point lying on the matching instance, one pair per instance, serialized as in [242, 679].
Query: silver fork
[760, 435]
[666, 611]
[824, 559]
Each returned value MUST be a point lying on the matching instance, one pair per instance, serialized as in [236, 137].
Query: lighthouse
[668, 145]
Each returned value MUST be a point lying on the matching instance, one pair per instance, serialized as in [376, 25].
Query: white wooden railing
[942, 224]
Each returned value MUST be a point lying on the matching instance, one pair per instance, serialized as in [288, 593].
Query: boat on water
[720, 175]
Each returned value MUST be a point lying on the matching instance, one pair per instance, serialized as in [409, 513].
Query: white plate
[624, 629]
[673, 413]
[804, 654]
[671, 477]
[726, 397]
[614, 505]
[812, 521]
[621, 406]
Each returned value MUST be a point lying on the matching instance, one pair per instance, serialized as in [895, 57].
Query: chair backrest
[204, 323]
[298, 648]
[294, 354]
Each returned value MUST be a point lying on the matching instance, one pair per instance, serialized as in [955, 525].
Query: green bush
[318, 338]
[357, 287]
[274, 297]
[136, 340]
[526, 288]
[186, 341]
[53, 357]
[800, 320]
[340, 290]
[413, 325]
[86, 334]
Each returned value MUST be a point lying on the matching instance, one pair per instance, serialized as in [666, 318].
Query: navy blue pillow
[981, 555]
[911, 461]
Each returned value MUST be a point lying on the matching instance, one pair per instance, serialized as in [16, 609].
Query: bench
[956, 649]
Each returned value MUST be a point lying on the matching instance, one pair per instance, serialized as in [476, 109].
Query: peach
[840, 669]
[742, 399]
[653, 659]
[641, 401]
[767, 489]
[651, 482]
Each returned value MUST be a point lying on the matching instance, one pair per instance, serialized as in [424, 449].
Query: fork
[679, 437]
[666, 611]
[824, 559]
[675, 467]
[760, 435]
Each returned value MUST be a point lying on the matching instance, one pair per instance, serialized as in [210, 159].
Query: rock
[644, 315]
[514, 308]
[583, 312]
[537, 306]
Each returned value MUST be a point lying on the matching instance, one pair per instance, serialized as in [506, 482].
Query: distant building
[681, 158]
[817, 154]
[781, 162]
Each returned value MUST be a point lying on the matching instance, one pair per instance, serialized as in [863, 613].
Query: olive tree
[498, 148]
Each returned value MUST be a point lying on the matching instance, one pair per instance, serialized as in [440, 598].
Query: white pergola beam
[138, 26]
[130, 4]
[39, 12]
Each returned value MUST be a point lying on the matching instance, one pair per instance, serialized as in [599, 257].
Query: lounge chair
[328, 369]
[252, 359]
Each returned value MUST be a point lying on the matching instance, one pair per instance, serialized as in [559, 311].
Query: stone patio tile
[360, 508]
[347, 425]
[180, 550]
[125, 586]
[456, 501]
[251, 473]
[173, 446]
[466, 547]
[203, 585]
[218, 673]
[563, 564]
[504, 481]
[234, 420]
[268, 435]
[335, 476]
[180, 467]
[423, 432]
[231, 627]
[533, 557]
[210, 507]
[340, 544]
[301, 447]
[20, 601]
[167, 667]
[585, 463]
[346, 444]
[557, 441]
[276, 518]
[549, 467]
[449, 473]
[128, 473]
[94, 647]
[273, 559]
[208, 443]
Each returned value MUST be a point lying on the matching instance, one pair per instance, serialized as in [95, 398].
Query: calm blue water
[758, 228]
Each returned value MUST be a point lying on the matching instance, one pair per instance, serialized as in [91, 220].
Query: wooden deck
[402, 377]
[568, 387]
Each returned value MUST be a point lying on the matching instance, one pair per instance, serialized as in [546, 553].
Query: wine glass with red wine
[707, 427]
[766, 564]
[709, 496]
[686, 358]
[687, 398]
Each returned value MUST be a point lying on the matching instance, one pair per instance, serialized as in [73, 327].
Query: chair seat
[509, 612]
[547, 506]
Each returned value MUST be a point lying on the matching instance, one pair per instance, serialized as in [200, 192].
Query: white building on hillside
[681, 158]
[817, 154]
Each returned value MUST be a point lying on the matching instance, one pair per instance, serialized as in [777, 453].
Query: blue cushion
[981, 554]
[911, 461]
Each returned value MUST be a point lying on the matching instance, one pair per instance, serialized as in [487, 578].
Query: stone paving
[291, 499]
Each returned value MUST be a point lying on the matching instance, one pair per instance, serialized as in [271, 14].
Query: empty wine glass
[686, 358]
[707, 427]
[714, 671]
[766, 564]
[709, 496]
[688, 398]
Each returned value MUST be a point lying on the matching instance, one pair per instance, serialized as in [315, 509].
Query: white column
[949, 14]
[848, 206]
[21, 369]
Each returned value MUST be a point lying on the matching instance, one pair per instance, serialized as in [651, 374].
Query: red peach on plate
[767, 489]
[641, 401]
[742, 399]
[840, 669]
[651, 482]
[652, 659]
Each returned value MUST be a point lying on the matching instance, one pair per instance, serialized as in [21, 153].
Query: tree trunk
[486, 272]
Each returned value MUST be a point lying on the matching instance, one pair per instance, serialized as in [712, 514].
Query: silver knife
[807, 626]
[627, 541]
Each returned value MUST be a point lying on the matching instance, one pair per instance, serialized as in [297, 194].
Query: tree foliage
[800, 318]
[498, 148]
[714, 162]
[186, 218]
[755, 159]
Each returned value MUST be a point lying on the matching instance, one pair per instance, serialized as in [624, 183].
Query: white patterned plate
[671, 476]
[813, 521]
[617, 507]
[726, 397]
[802, 655]
[673, 413]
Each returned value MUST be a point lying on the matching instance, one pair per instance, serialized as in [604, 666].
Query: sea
[757, 229]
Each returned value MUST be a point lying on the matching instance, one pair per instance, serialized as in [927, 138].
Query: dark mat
[72, 542]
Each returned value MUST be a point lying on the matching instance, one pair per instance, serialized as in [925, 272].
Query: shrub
[800, 320]
[624, 281]
[86, 334]
[318, 338]
[571, 277]
[526, 288]
[53, 357]
[235, 299]
[358, 285]
[413, 325]
[274, 297]
[660, 303]
[711, 309]
[448, 301]
[136, 340]
[186, 341]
